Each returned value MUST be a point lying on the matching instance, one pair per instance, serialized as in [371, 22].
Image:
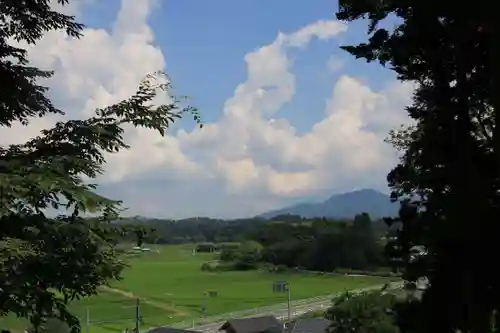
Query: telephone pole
[207, 294]
[289, 301]
[137, 315]
[87, 320]
[204, 307]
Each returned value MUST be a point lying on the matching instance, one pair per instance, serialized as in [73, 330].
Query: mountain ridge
[343, 205]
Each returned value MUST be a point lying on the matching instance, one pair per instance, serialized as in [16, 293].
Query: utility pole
[204, 307]
[282, 287]
[87, 320]
[289, 301]
[207, 294]
[137, 315]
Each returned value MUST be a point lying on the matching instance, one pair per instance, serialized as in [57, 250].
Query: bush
[228, 266]
[370, 312]
[224, 267]
[381, 273]
[281, 268]
[251, 247]
[229, 246]
[228, 254]
[276, 268]
[207, 267]
[244, 265]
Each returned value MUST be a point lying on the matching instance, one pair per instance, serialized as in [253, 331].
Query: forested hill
[338, 208]
[343, 206]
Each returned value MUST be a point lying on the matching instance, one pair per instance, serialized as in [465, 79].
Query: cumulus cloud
[253, 150]
[248, 161]
[335, 63]
[99, 69]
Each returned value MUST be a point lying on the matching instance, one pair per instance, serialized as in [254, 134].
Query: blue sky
[287, 119]
[205, 42]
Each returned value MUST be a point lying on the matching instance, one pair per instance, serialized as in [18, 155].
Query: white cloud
[100, 69]
[335, 63]
[247, 161]
[261, 152]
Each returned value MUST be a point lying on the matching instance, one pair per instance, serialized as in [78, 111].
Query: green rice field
[169, 285]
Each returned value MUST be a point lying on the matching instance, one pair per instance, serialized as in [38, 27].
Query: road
[280, 314]
[299, 308]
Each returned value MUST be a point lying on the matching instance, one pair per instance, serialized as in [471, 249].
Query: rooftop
[253, 325]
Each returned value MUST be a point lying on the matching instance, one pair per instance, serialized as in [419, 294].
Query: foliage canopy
[448, 176]
[46, 262]
[369, 312]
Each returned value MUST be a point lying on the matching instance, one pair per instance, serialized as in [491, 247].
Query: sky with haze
[288, 115]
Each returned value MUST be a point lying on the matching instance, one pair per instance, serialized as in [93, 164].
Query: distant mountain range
[345, 205]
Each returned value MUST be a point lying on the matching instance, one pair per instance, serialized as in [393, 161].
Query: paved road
[298, 308]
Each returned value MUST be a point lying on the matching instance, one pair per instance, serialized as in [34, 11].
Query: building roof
[169, 330]
[253, 325]
[309, 325]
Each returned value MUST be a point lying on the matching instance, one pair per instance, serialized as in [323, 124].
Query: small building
[267, 324]
[169, 330]
[308, 325]
[206, 247]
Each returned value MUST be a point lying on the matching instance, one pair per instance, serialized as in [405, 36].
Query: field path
[156, 304]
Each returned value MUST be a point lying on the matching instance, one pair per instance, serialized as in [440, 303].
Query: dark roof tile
[310, 325]
[169, 330]
[254, 325]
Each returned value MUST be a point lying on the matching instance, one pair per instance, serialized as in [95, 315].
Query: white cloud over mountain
[248, 161]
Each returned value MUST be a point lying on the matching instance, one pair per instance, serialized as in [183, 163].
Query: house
[308, 325]
[169, 330]
[268, 324]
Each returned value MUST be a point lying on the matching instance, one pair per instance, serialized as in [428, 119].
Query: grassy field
[170, 285]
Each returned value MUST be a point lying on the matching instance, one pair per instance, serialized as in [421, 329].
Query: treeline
[322, 245]
[315, 245]
[207, 230]
[191, 230]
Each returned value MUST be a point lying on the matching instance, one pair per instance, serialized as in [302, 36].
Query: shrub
[229, 246]
[207, 267]
[281, 268]
[381, 273]
[224, 267]
[228, 254]
[370, 312]
[244, 265]
[276, 268]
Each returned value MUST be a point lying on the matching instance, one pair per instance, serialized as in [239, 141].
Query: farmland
[170, 285]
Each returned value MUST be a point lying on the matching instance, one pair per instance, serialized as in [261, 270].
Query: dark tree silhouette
[369, 312]
[47, 262]
[448, 176]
